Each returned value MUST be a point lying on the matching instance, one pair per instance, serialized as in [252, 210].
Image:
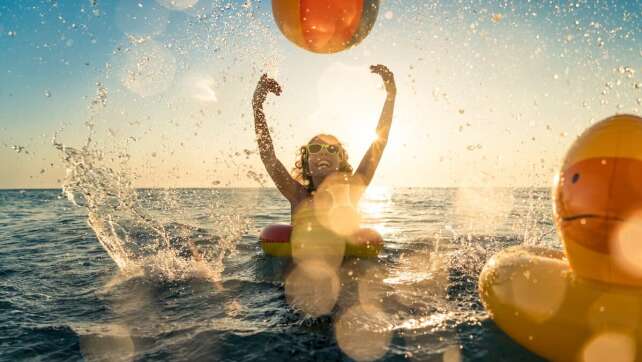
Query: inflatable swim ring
[365, 243]
[535, 298]
[584, 304]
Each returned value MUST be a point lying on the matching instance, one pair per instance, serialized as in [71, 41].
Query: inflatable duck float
[583, 304]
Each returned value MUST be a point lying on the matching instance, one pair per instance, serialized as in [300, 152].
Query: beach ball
[598, 202]
[325, 26]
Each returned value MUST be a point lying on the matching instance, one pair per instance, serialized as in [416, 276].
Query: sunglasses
[316, 148]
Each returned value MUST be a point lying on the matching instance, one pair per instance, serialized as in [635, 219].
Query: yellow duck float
[583, 304]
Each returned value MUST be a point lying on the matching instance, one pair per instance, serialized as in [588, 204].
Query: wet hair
[301, 170]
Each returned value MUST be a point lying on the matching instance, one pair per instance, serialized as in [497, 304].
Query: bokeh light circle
[148, 69]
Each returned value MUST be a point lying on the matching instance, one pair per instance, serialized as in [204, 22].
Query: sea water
[100, 270]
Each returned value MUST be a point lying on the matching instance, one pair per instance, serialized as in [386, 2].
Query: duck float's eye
[576, 177]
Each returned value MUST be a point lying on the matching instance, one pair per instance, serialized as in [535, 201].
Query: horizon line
[274, 188]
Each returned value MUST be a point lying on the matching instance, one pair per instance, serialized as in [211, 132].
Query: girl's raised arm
[288, 186]
[371, 159]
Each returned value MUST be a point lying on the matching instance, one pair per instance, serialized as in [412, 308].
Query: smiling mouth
[323, 164]
[591, 216]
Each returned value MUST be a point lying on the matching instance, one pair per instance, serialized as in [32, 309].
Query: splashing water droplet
[135, 240]
[18, 149]
[149, 69]
[137, 19]
[178, 4]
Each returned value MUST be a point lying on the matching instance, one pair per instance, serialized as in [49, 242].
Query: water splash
[139, 228]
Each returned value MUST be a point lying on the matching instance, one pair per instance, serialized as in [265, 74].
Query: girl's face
[323, 158]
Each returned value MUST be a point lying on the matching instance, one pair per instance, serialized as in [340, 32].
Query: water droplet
[187, 4]
[149, 69]
[18, 149]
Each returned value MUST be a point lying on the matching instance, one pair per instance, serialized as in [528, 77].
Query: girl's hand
[265, 86]
[387, 76]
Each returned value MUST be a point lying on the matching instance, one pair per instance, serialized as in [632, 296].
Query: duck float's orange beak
[598, 194]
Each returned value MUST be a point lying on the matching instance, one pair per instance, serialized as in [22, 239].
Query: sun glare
[360, 139]
[378, 193]
[376, 200]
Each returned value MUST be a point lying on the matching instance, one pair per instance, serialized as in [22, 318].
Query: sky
[489, 93]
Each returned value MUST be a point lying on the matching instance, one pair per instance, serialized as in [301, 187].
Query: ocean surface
[103, 273]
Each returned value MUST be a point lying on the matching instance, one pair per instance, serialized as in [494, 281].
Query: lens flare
[149, 69]
[110, 342]
[333, 204]
[452, 354]
[371, 287]
[313, 287]
[523, 288]
[610, 346]
[626, 246]
[310, 241]
[363, 332]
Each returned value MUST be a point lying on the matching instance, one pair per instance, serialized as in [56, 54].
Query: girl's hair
[301, 170]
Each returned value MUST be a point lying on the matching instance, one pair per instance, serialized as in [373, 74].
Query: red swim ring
[275, 241]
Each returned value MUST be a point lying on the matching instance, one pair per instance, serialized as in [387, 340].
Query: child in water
[323, 162]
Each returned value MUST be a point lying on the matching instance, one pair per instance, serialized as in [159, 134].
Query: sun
[359, 139]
